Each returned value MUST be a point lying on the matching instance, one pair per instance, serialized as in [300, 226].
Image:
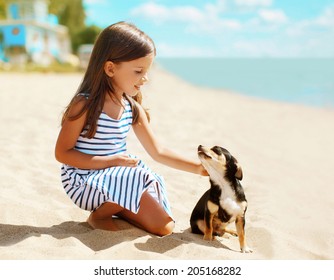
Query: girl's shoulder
[78, 105]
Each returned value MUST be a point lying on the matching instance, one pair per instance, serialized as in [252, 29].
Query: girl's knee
[166, 229]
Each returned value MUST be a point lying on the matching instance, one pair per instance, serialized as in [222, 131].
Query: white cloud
[241, 28]
[327, 18]
[151, 11]
[273, 16]
[253, 3]
[324, 21]
[219, 5]
[196, 20]
[184, 50]
[161, 13]
[314, 37]
[91, 2]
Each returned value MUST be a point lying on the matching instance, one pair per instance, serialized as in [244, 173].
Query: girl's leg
[101, 218]
[151, 216]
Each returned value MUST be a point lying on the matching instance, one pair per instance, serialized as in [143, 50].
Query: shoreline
[263, 78]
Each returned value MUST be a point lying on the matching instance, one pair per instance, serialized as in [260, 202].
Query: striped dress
[89, 189]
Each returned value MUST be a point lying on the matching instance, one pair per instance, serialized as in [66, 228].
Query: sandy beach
[286, 152]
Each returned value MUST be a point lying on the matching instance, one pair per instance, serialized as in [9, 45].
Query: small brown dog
[225, 201]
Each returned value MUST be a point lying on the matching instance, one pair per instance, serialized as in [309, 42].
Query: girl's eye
[138, 72]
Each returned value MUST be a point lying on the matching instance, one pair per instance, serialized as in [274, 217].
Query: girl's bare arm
[65, 152]
[161, 154]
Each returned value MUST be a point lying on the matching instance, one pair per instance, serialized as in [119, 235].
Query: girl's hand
[123, 160]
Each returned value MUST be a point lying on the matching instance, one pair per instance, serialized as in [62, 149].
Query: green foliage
[2, 9]
[72, 14]
[85, 36]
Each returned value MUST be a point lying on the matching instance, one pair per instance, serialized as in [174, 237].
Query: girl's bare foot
[105, 223]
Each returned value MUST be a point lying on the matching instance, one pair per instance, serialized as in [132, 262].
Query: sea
[306, 81]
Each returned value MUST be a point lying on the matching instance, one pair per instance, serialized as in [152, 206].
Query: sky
[226, 28]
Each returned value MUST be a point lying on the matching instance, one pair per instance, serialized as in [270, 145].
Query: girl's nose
[145, 78]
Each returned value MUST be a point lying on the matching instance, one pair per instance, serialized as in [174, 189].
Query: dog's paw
[246, 250]
[232, 232]
[208, 237]
[219, 233]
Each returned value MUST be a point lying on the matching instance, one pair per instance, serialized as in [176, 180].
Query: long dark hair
[119, 42]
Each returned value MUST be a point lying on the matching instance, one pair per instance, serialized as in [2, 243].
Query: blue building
[31, 34]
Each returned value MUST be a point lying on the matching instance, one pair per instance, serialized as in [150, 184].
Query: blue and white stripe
[89, 189]
[110, 136]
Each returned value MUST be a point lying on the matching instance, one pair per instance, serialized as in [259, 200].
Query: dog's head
[219, 162]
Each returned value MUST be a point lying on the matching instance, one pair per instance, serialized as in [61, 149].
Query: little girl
[97, 173]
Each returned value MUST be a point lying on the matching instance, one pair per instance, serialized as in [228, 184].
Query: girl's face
[129, 76]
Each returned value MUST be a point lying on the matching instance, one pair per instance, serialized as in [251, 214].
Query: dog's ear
[238, 174]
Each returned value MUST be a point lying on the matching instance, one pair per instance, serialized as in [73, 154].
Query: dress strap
[84, 94]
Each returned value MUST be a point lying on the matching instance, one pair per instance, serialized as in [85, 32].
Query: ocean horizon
[306, 81]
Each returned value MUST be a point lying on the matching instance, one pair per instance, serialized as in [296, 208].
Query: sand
[286, 152]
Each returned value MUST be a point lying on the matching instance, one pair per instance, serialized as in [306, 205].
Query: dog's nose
[199, 147]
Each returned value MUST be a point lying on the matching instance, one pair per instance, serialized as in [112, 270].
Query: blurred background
[277, 49]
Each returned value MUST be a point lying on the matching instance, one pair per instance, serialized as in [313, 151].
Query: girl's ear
[109, 68]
